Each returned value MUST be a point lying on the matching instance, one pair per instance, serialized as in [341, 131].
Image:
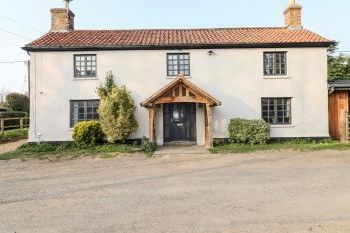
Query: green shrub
[13, 135]
[117, 111]
[88, 133]
[147, 146]
[13, 114]
[17, 102]
[249, 131]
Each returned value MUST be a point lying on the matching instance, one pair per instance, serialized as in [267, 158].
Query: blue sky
[330, 18]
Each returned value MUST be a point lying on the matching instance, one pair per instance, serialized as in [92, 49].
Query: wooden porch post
[151, 133]
[209, 140]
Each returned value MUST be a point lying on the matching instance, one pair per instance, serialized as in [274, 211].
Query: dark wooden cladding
[337, 107]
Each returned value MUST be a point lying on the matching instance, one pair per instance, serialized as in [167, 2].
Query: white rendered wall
[234, 76]
[158, 121]
[200, 125]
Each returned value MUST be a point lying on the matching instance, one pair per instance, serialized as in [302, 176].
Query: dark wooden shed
[338, 108]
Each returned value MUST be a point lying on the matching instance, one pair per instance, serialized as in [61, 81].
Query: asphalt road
[266, 192]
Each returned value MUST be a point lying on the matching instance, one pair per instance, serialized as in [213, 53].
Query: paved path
[281, 192]
[11, 146]
[179, 150]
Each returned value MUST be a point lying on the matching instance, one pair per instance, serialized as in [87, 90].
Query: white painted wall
[234, 76]
[200, 124]
[158, 122]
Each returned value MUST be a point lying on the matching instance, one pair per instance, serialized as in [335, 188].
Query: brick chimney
[62, 19]
[292, 15]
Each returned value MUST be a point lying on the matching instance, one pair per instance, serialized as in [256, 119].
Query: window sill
[85, 79]
[282, 126]
[174, 77]
[277, 77]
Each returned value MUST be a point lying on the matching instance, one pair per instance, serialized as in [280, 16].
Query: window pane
[83, 110]
[178, 63]
[84, 64]
[276, 110]
[275, 63]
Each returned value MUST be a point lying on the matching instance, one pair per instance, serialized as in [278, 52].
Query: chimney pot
[66, 4]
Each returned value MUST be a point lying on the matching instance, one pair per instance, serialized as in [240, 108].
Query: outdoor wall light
[211, 53]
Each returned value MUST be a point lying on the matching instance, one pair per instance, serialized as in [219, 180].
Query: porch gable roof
[173, 84]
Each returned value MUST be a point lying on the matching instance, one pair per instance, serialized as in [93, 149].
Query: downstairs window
[276, 111]
[83, 110]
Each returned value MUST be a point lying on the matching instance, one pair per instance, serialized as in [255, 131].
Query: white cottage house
[187, 83]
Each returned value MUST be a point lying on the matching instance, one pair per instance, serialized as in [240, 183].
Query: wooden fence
[20, 123]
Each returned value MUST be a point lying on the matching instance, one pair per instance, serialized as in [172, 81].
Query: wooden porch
[181, 90]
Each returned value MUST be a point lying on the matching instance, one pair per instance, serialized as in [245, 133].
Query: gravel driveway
[265, 192]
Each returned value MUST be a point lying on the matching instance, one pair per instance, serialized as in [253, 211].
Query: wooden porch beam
[209, 140]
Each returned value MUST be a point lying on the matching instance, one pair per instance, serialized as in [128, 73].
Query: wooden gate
[347, 126]
[339, 115]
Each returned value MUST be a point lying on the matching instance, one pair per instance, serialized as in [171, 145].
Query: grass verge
[67, 151]
[288, 145]
[13, 135]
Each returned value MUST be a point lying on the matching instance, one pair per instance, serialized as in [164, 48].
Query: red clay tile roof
[178, 38]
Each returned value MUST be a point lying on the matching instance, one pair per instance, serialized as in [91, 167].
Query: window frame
[71, 102]
[75, 66]
[178, 64]
[286, 64]
[276, 110]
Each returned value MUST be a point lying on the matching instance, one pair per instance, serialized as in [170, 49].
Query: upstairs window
[84, 66]
[277, 111]
[83, 110]
[275, 63]
[178, 63]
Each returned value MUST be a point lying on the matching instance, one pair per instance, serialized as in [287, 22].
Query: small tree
[17, 102]
[117, 111]
[338, 65]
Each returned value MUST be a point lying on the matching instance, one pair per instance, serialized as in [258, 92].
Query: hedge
[13, 114]
[13, 135]
[249, 131]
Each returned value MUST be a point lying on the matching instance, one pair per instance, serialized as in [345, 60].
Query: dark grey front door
[180, 122]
